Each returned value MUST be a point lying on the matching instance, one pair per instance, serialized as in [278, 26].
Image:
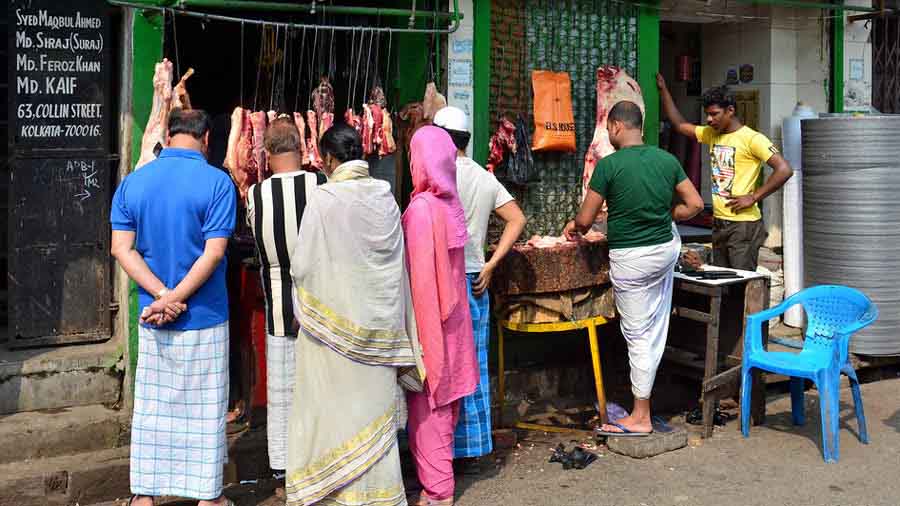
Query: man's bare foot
[631, 423]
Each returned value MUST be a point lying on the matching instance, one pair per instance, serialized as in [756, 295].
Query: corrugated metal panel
[851, 179]
[575, 36]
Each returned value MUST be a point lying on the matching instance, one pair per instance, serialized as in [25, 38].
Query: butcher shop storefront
[379, 68]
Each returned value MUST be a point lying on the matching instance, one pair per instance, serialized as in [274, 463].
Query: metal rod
[217, 17]
[252, 5]
[810, 5]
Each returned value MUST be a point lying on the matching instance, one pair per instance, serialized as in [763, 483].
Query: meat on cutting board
[155, 131]
[613, 86]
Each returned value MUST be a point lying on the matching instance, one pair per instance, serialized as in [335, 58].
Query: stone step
[102, 477]
[63, 431]
[60, 377]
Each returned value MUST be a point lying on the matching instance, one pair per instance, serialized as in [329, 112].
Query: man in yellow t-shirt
[737, 153]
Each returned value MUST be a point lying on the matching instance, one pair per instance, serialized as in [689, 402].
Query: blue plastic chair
[833, 314]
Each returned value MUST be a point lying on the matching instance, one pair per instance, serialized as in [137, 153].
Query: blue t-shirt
[174, 204]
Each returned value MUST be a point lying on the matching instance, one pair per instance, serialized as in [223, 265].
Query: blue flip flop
[625, 432]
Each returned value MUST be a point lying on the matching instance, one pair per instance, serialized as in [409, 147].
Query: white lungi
[178, 445]
[642, 281]
[280, 367]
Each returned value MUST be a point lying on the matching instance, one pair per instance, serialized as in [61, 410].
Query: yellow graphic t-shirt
[736, 160]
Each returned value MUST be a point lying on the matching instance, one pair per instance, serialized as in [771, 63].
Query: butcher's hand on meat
[155, 131]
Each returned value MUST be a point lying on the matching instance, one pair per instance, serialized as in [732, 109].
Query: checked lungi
[178, 445]
[473, 430]
[280, 366]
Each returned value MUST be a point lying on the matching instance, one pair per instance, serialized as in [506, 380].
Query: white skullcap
[452, 118]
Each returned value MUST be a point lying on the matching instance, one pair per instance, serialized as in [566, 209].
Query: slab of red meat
[326, 120]
[351, 119]
[234, 136]
[412, 116]
[502, 142]
[323, 97]
[376, 96]
[377, 127]
[155, 131]
[433, 101]
[388, 145]
[239, 152]
[613, 86]
[301, 127]
[258, 122]
[312, 143]
[181, 99]
[368, 130]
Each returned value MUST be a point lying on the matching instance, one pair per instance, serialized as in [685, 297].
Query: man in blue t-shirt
[171, 221]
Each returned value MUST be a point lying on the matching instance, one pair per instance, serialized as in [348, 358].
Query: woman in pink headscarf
[434, 225]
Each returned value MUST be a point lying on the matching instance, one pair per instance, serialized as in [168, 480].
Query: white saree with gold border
[356, 330]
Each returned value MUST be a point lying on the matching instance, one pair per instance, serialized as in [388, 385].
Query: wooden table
[721, 307]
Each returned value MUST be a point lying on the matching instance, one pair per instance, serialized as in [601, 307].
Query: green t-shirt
[638, 183]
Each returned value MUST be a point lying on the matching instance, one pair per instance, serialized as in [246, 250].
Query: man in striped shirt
[274, 210]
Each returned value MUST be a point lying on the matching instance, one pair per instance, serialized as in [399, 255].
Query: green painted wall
[648, 66]
[481, 62]
[148, 37]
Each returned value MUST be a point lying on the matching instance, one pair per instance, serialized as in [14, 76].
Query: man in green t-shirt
[645, 188]
[737, 153]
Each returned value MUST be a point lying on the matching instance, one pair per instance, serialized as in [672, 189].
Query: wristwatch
[160, 294]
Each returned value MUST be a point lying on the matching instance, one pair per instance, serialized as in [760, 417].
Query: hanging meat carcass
[258, 160]
[312, 143]
[351, 119]
[367, 130]
[433, 101]
[240, 151]
[323, 104]
[613, 86]
[155, 131]
[301, 127]
[412, 116]
[501, 143]
[388, 145]
[181, 99]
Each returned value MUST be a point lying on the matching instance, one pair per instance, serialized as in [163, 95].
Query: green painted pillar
[648, 66]
[147, 33]
[837, 60]
[481, 62]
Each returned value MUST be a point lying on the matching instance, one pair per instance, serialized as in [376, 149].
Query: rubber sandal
[625, 432]
[582, 458]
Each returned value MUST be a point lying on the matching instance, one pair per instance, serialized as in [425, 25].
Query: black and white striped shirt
[274, 210]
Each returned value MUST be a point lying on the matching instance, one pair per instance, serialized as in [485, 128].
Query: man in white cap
[481, 195]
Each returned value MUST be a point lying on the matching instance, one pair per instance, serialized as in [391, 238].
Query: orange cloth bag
[554, 122]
